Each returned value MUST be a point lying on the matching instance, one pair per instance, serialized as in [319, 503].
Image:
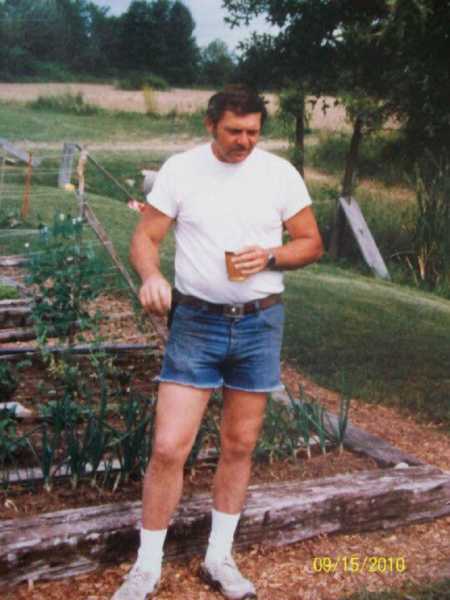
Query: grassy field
[21, 122]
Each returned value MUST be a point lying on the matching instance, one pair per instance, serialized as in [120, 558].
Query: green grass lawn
[117, 219]
[379, 341]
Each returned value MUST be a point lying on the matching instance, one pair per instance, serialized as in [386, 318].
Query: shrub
[68, 274]
[138, 81]
[65, 103]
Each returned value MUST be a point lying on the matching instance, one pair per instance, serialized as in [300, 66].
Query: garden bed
[24, 501]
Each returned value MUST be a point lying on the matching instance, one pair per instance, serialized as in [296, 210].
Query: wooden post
[22, 155]
[81, 181]
[66, 166]
[300, 137]
[26, 194]
[2, 175]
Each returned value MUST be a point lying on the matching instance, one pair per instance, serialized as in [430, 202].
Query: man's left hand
[251, 259]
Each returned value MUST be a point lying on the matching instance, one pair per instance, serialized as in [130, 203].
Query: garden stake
[107, 174]
[26, 194]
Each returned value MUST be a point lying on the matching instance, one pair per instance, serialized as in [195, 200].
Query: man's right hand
[156, 294]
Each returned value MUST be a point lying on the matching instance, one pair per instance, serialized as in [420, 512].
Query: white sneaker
[138, 585]
[225, 577]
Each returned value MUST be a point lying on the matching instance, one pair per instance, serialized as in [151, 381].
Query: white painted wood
[364, 237]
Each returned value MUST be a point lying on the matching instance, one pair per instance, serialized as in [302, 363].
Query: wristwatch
[271, 263]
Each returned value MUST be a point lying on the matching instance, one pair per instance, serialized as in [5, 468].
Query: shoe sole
[216, 585]
[151, 594]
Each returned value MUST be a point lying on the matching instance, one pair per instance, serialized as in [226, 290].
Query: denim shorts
[208, 350]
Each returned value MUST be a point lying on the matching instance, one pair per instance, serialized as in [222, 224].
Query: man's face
[235, 136]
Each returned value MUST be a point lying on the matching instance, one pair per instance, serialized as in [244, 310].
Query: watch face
[271, 263]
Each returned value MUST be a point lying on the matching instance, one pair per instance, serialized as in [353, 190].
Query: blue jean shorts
[208, 350]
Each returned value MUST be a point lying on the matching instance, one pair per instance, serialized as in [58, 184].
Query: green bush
[138, 80]
[65, 103]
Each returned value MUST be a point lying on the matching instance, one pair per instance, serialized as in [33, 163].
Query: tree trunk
[299, 140]
[338, 233]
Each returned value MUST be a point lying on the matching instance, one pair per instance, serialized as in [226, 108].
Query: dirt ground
[181, 100]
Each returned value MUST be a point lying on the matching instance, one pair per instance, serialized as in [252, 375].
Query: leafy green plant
[302, 424]
[8, 381]
[44, 448]
[132, 441]
[10, 441]
[68, 274]
[278, 439]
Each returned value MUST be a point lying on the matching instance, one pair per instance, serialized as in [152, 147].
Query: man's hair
[238, 98]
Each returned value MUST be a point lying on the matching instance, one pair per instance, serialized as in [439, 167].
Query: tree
[417, 38]
[184, 55]
[157, 37]
[216, 64]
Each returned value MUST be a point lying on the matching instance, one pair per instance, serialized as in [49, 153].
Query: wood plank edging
[70, 542]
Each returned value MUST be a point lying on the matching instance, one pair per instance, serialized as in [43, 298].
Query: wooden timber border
[70, 542]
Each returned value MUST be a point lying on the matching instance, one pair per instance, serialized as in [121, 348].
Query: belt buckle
[233, 310]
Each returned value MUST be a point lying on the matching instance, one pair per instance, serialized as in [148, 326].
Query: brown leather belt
[227, 310]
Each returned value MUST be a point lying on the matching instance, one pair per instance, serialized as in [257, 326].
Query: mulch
[289, 573]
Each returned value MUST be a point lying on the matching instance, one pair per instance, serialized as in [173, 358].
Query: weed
[151, 103]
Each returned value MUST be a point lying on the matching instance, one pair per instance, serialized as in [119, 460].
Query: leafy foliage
[68, 274]
[217, 66]
[56, 40]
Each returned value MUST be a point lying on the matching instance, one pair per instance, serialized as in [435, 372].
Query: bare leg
[242, 419]
[179, 413]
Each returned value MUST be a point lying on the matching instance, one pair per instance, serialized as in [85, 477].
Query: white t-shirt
[220, 206]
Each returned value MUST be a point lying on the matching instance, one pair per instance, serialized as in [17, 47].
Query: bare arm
[155, 292]
[304, 248]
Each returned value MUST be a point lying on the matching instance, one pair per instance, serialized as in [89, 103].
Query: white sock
[150, 551]
[223, 526]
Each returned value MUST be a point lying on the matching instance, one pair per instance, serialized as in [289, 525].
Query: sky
[209, 18]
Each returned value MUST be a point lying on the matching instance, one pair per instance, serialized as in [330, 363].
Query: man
[221, 196]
